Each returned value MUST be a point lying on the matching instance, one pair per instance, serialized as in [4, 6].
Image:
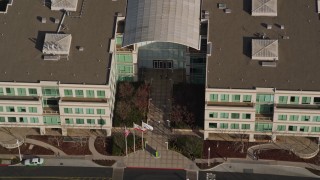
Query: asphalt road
[248, 176]
[153, 174]
[52, 173]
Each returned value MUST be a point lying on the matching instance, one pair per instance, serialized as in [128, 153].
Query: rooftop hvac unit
[57, 21]
[43, 20]
[269, 64]
[205, 14]
[227, 10]
[281, 26]
[269, 26]
[51, 58]
[81, 48]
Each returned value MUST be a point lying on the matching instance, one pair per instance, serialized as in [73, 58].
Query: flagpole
[142, 141]
[126, 142]
[134, 140]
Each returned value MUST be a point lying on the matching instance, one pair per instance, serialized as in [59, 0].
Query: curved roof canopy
[176, 21]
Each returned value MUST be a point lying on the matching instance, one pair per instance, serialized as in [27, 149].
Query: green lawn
[189, 146]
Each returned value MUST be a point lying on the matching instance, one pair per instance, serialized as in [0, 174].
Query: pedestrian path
[46, 145]
[96, 154]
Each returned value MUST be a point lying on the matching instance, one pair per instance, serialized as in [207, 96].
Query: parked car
[33, 162]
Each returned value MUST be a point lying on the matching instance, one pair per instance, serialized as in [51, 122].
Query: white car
[33, 162]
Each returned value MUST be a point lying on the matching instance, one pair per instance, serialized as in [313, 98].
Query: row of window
[81, 111]
[296, 100]
[18, 91]
[51, 120]
[18, 109]
[264, 127]
[296, 128]
[263, 98]
[232, 126]
[51, 92]
[227, 98]
[83, 121]
[20, 119]
[80, 93]
[224, 115]
[284, 117]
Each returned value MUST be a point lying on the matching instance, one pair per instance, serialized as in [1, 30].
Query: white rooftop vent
[57, 44]
[68, 5]
[264, 8]
[81, 48]
[43, 20]
[264, 50]
[269, 26]
[57, 21]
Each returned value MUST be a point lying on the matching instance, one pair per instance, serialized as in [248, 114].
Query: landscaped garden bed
[78, 146]
[115, 145]
[131, 104]
[226, 149]
[25, 150]
[189, 146]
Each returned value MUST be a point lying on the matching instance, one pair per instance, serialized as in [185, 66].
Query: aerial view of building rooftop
[264, 44]
[42, 41]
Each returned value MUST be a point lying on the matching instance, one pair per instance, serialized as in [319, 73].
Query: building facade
[262, 111]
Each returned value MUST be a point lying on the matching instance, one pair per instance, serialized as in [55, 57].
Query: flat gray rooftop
[230, 65]
[22, 35]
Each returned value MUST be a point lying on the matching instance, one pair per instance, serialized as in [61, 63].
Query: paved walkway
[302, 147]
[45, 145]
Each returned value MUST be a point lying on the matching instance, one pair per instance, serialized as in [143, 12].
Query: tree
[141, 98]
[126, 90]
[123, 109]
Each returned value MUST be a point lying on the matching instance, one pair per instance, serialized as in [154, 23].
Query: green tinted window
[68, 93]
[1, 92]
[294, 118]
[10, 91]
[90, 121]
[78, 110]
[235, 98]
[224, 97]
[101, 111]
[224, 115]
[22, 109]
[80, 121]
[90, 111]
[282, 117]
[34, 120]
[22, 92]
[90, 93]
[101, 94]
[234, 126]
[212, 125]
[32, 91]
[213, 115]
[246, 116]
[281, 128]
[67, 110]
[247, 98]
[245, 126]
[294, 100]
[32, 109]
[101, 122]
[79, 93]
[235, 115]
[292, 128]
[213, 97]
[283, 99]
[69, 121]
[224, 125]
[2, 119]
[306, 100]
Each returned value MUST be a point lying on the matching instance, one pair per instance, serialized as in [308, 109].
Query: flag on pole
[147, 126]
[126, 132]
[139, 128]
